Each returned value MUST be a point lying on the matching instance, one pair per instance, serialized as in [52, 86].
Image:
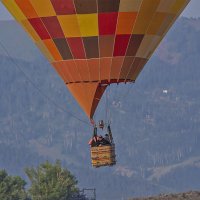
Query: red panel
[39, 28]
[107, 23]
[53, 27]
[121, 43]
[63, 7]
[76, 46]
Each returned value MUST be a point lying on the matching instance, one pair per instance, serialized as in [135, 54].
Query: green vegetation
[51, 182]
[12, 187]
[48, 182]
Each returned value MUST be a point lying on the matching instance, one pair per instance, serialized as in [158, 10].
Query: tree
[12, 187]
[51, 182]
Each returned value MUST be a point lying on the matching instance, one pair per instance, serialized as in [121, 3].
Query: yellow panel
[169, 19]
[129, 5]
[14, 10]
[28, 28]
[69, 24]
[165, 5]
[43, 8]
[145, 47]
[163, 30]
[88, 24]
[152, 47]
[44, 50]
[146, 13]
[156, 23]
[173, 16]
[179, 5]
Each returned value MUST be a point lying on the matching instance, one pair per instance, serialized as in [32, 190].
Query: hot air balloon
[95, 43]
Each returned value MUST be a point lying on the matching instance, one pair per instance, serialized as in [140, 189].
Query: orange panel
[178, 6]
[130, 5]
[67, 71]
[79, 93]
[44, 50]
[158, 20]
[136, 67]
[126, 22]
[94, 69]
[116, 67]
[105, 68]
[167, 23]
[27, 8]
[43, 7]
[82, 67]
[99, 92]
[52, 49]
[128, 61]
[71, 68]
[59, 68]
[87, 95]
[139, 69]
[145, 15]
[165, 6]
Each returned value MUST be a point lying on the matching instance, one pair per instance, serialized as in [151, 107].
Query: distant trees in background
[47, 182]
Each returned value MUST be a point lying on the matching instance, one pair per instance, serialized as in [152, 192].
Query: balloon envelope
[93, 43]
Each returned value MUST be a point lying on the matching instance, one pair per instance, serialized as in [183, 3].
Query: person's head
[106, 135]
[100, 137]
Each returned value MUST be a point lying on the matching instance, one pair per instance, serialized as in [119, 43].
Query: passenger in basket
[106, 137]
[94, 141]
[102, 141]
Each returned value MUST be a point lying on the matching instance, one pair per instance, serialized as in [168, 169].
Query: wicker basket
[103, 155]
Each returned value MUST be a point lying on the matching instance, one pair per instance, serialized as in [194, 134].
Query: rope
[128, 91]
[106, 105]
[108, 111]
[39, 90]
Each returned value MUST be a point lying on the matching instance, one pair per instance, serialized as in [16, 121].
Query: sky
[192, 10]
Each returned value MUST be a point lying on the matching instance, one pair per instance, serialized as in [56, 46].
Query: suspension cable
[39, 90]
[106, 105]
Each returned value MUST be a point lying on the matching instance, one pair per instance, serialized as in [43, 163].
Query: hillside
[156, 121]
[180, 196]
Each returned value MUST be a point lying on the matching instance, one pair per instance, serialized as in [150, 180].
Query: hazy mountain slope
[156, 126]
[17, 41]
